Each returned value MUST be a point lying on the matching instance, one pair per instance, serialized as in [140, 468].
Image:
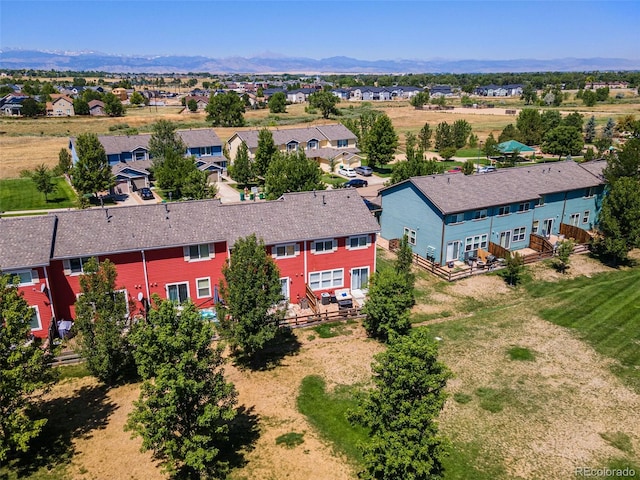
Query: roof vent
[323, 201]
[449, 180]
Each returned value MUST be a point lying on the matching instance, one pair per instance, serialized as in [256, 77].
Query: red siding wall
[36, 297]
[292, 267]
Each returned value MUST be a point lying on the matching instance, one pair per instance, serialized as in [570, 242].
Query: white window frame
[524, 207]
[519, 234]
[475, 242]
[175, 284]
[336, 279]
[37, 311]
[285, 246]
[480, 214]
[292, 146]
[504, 210]
[67, 265]
[457, 218]
[368, 276]
[33, 274]
[585, 216]
[208, 279]
[288, 288]
[574, 219]
[313, 144]
[199, 258]
[412, 235]
[324, 242]
[359, 240]
[590, 192]
[535, 226]
[342, 143]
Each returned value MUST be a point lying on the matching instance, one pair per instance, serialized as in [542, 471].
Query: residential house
[451, 216]
[436, 91]
[60, 106]
[400, 92]
[201, 102]
[131, 176]
[327, 144]
[300, 95]
[178, 250]
[370, 94]
[11, 104]
[341, 93]
[510, 90]
[121, 93]
[96, 108]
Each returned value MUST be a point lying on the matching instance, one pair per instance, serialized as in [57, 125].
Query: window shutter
[185, 253]
[67, 267]
[34, 275]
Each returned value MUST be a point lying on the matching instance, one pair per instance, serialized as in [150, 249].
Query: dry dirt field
[555, 408]
[25, 143]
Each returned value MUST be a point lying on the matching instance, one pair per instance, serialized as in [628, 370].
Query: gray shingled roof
[26, 242]
[283, 136]
[452, 193]
[296, 216]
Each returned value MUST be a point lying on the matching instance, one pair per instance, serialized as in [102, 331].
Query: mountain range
[82, 61]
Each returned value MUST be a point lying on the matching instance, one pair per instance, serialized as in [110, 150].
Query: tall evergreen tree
[25, 373]
[444, 137]
[529, 124]
[185, 404]
[590, 130]
[251, 290]
[164, 137]
[381, 141]
[264, 153]
[92, 173]
[609, 129]
[424, 137]
[402, 410]
[460, 131]
[102, 320]
[241, 169]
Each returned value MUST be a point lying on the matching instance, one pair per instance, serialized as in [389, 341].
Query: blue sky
[369, 30]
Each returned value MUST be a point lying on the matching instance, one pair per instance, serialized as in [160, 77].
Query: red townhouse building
[323, 239]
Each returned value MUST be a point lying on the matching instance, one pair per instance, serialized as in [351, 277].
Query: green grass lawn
[333, 179]
[21, 194]
[472, 153]
[604, 309]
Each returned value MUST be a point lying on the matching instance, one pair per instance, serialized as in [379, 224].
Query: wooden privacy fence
[540, 244]
[577, 234]
[298, 321]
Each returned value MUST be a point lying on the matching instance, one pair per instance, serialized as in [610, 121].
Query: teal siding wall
[404, 206]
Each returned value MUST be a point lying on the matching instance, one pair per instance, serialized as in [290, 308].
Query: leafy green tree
[529, 124]
[466, 101]
[490, 148]
[387, 310]
[251, 290]
[563, 254]
[473, 141]
[609, 129]
[164, 137]
[241, 169]
[401, 411]
[381, 141]
[590, 130]
[81, 106]
[589, 154]
[460, 131]
[529, 94]
[265, 152]
[185, 405]
[589, 98]
[31, 108]
[448, 152]
[25, 373]
[278, 103]
[112, 105]
[420, 99]
[404, 261]
[43, 180]
[326, 102]
[468, 167]
[514, 268]
[175, 174]
[92, 173]
[619, 220]
[424, 137]
[88, 95]
[550, 120]
[102, 320]
[509, 133]
[626, 124]
[192, 105]
[225, 110]
[574, 119]
[196, 185]
[602, 145]
[563, 140]
[136, 99]
[64, 161]
[292, 172]
[626, 163]
[602, 94]
[444, 137]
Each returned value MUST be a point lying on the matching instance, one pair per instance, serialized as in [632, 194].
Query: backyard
[537, 392]
[22, 194]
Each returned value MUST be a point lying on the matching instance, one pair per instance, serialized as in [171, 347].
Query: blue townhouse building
[451, 216]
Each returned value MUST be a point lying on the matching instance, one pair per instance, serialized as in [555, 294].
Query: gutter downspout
[146, 276]
[564, 206]
[46, 282]
[444, 217]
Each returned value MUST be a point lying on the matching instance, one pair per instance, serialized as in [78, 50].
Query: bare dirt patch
[580, 265]
[555, 407]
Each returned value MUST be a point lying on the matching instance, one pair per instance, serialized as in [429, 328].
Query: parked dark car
[356, 183]
[364, 171]
[146, 193]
